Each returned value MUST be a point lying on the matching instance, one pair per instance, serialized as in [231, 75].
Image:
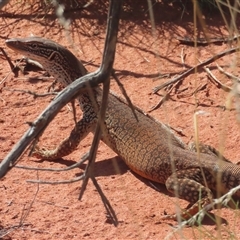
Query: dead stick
[8, 59]
[35, 95]
[191, 70]
[203, 41]
[228, 74]
[213, 78]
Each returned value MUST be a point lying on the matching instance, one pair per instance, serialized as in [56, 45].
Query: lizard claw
[39, 152]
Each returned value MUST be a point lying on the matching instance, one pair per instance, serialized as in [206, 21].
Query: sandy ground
[142, 55]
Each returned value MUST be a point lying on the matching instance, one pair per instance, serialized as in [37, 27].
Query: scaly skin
[147, 146]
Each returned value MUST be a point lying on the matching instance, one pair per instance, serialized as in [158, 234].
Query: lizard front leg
[68, 145]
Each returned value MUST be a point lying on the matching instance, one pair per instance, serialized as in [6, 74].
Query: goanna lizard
[146, 145]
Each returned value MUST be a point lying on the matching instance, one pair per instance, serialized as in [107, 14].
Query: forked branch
[70, 92]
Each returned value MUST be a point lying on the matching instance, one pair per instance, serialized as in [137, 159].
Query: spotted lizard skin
[146, 145]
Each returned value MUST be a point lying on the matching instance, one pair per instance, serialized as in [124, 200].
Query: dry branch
[235, 78]
[205, 42]
[216, 81]
[90, 80]
[193, 69]
[35, 95]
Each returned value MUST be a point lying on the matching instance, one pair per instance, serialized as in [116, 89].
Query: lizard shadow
[115, 165]
[108, 167]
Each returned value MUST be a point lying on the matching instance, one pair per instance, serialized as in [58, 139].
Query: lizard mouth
[24, 46]
[14, 44]
[27, 47]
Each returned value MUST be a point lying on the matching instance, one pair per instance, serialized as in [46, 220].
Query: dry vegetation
[149, 48]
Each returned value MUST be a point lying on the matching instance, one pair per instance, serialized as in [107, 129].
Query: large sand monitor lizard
[147, 146]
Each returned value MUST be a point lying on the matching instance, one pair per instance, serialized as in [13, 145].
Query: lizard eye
[34, 45]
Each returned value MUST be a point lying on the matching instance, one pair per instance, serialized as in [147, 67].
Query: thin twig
[8, 59]
[183, 56]
[76, 165]
[120, 85]
[77, 179]
[214, 79]
[35, 95]
[228, 74]
[53, 204]
[24, 216]
[89, 172]
[162, 100]
[193, 69]
[13, 68]
[42, 78]
[199, 88]
[205, 42]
